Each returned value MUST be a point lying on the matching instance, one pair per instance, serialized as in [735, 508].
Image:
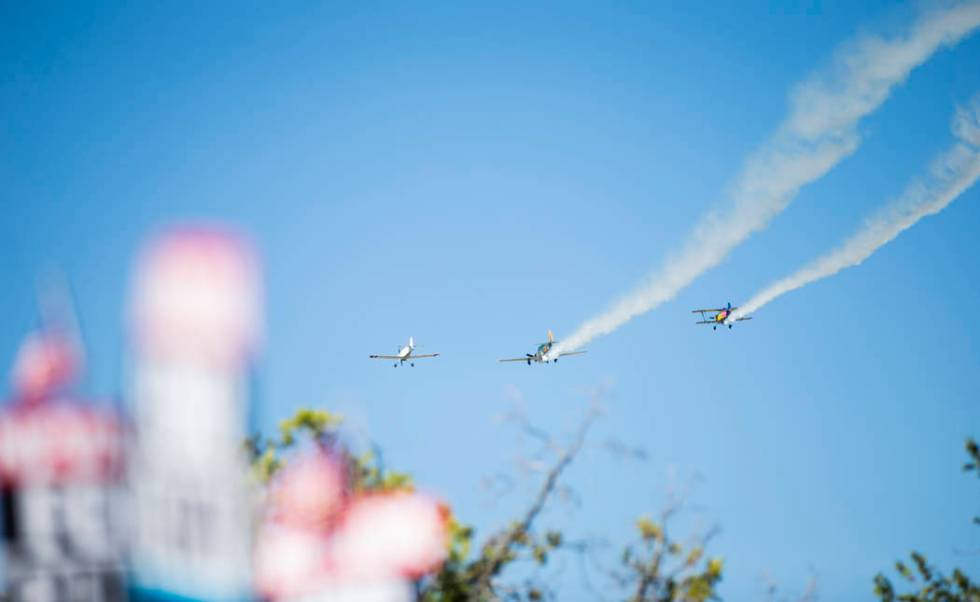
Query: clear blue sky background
[474, 176]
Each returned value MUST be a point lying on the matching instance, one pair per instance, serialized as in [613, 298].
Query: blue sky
[473, 176]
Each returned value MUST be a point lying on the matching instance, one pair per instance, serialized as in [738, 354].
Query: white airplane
[405, 354]
[543, 349]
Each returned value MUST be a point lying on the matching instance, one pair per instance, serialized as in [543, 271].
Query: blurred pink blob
[46, 362]
[197, 293]
[289, 561]
[319, 539]
[390, 534]
[58, 444]
[309, 493]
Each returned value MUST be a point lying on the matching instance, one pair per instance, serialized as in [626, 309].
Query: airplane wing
[701, 311]
[385, 357]
[745, 318]
[515, 359]
[707, 322]
[424, 355]
[572, 353]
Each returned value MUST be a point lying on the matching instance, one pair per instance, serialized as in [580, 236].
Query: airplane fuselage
[541, 354]
[405, 353]
[538, 355]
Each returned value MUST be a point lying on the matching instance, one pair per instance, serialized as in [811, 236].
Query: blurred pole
[195, 321]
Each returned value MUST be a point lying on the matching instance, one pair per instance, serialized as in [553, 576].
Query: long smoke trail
[949, 176]
[819, 132]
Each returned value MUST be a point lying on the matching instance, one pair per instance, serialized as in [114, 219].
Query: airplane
[405, 354]
[543, 349]
[722, 316]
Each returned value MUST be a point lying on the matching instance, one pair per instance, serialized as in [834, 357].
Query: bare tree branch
[500, 548]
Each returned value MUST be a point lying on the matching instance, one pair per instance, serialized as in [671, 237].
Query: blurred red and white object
[50, 358]
[397, 534]
[195, 322]
[364, 548]
[290, 562]
[61, 469]
[198, 292]
[46, 362]
[59, 444]
[309, 494]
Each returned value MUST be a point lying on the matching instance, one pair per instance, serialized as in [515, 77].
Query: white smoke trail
[818, 133]
[949, 176]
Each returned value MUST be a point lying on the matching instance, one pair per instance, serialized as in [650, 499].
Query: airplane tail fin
[411, 343]
[551, 337]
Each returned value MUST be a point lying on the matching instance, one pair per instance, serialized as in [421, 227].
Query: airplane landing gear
[729, 327]
[714, 328]
[413, 364]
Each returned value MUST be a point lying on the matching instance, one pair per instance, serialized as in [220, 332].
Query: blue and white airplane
[543, 349]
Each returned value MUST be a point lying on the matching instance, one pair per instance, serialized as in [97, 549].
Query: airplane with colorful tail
[539, 355]
[405, 354]
[723, 316]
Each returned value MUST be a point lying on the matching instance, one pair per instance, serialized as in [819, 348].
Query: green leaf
[904, 571]
[540, 554]
[715, 567]
[553, 538]
[649, 530]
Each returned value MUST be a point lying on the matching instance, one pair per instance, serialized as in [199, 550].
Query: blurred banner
[60, 475]
[195, 321]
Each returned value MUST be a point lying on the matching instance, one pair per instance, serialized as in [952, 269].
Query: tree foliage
[929, 584]
[660, 568]
[319, 428]
[655, 568]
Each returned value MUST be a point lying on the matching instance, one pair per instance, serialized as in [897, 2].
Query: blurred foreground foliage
[655, 568]
[319, 429]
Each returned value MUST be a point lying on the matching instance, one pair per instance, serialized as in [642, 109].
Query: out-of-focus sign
[60, 469]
